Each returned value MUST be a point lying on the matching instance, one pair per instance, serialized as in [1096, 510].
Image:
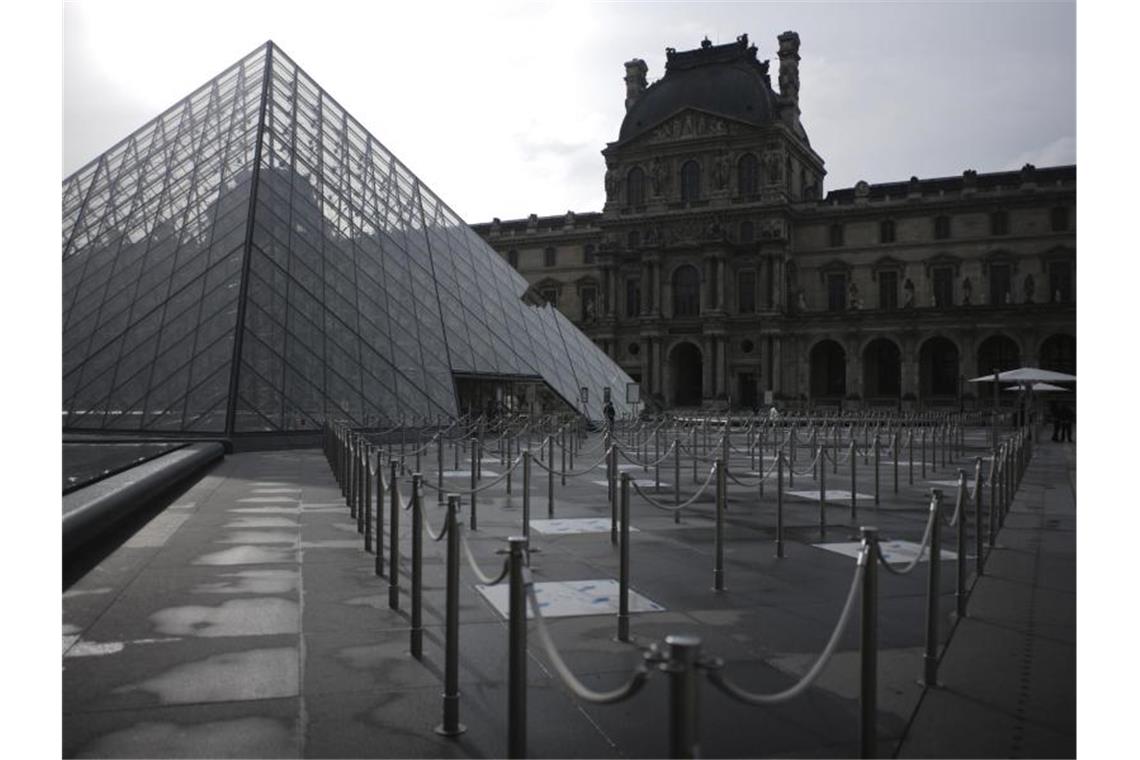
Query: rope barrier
[811, 465]
[762, 476]
[498, 478]
[573, 473]
[674, 507]
[751, 698]
[483, 578]
[431, 533]
[921, 550]
[576, 687]
[659, 460]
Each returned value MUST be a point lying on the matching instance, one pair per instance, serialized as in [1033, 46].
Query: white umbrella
[1027, 375]
[1039, 388]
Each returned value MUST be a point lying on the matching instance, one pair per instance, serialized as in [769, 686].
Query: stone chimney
[790, 66]
[635, 83]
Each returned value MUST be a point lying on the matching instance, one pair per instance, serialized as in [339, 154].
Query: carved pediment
[688, 124]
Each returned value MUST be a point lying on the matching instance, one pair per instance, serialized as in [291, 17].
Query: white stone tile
[572, 598]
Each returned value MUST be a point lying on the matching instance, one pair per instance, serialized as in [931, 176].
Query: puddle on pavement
[84, 591]
[291, 510]
[331, 544]
[267, 499]
[262, 522]
[236, 617]
[253, 582]
[260, 537]
[244, 737]
[248, 555]
[253, 674]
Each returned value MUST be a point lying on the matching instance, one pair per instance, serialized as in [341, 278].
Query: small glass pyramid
[254, 260]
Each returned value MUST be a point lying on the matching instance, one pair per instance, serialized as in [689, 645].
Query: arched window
[635, 187]
[686, 291]
[690, 181]
[748, 175]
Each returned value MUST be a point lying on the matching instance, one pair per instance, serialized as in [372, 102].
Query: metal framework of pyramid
[254, 260]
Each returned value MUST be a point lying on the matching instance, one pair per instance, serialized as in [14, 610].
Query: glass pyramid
[254, 260]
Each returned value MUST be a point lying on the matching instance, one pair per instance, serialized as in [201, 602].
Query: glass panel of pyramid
[254, 260]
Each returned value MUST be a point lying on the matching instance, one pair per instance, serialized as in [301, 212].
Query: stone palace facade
[719, 271]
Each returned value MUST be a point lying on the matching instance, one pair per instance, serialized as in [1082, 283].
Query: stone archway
[938, 368]
[998, 352]
[686, 371]
[1059, 353]
[828, 363]
[882, 369]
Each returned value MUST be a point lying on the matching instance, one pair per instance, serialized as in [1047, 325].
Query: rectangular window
[548, 257]
[1059, 219]
[588, 254]
[835, 236]
[943, 286]
[999, 284]
[746, 291]
[633, 297]
[836, 292]
[888, 290]
[941, 227]
[1060, 282]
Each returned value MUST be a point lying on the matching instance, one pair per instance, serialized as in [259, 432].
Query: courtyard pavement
[246, 620]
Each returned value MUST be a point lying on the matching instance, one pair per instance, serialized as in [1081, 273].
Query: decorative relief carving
[689, 126]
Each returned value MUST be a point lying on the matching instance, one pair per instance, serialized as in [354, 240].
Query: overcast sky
[503, 108]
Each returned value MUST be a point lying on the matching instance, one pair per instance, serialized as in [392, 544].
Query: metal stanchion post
[451, 725]
[550, 478]
[623, 576]
[417, 568]
[677, 478]
[718, 549]
[978, 515]
[853, 505]
[394, 543]
[779, 503]
[693, 454]
[822, 494]
[993, 497]
[910, 457]
[476, 457]
[439, 467]
[869, 645]
[877, 455]
[895, 457]
[383, 488]
[611, 455]
[962, 510]
[792, 459]
[933, 578]
[526, 492]
[516, 644]
[563, 447]
[923, 453]
[683, 653]
[368, 501]
[510, 460]
[657, 460]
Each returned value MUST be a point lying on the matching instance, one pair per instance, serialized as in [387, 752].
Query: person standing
[608, 410]
[1067, 418]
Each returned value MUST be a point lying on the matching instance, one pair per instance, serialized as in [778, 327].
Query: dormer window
[887, 231]
[835, 236]
[999, 223]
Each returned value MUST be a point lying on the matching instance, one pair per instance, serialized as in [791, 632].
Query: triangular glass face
[253, 260]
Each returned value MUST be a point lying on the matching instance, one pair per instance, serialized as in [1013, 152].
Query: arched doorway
[1059, 353]
[882, 369]
[938, 369]
[998, 352]
[686, 370]
[828, 370]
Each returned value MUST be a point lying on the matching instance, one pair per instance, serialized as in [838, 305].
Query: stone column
[607, 300]
[655, 364]
[777, 366]
[705, 305]
[707, 360]
[646, 383]
[657, 290]
[722, 356]
[722, 267]
[646, 290]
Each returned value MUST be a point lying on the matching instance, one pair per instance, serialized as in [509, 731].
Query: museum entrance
[686, 370]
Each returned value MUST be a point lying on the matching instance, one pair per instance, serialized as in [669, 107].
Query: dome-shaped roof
[720, 79]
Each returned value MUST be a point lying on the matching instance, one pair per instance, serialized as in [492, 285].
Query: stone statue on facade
[721, 170]
[853, 296]
[967, 291]
[1030, 287]
[908, 294]
[612, 183]
[659, 172]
